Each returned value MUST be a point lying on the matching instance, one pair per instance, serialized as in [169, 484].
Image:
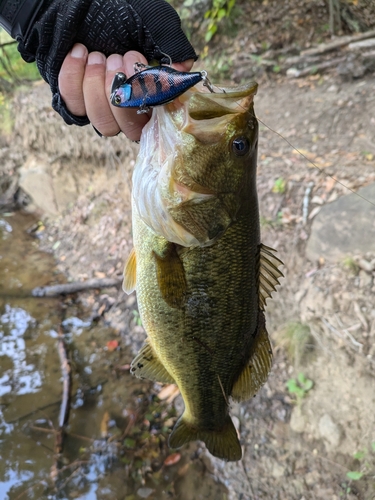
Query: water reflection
[21, 377]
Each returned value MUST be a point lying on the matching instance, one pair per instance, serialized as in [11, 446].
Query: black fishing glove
[47, 29]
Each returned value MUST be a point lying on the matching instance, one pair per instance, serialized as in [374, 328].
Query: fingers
[129, 121]
[85, 83]
[71, 79]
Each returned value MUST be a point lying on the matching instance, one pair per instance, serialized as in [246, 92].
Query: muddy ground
[299, 442]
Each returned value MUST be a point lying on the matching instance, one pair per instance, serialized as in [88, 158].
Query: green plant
[297, 339]
[12, 67]
[363, 457]
[351, 265]
[137, 318]
[279, 186]
[299, 387]
[219, 9]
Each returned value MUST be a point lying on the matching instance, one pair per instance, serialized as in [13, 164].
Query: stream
[115, 444]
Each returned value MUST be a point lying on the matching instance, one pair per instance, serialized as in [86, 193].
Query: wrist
[16, 16]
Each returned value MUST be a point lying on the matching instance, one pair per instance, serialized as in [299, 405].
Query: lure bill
[153, 86]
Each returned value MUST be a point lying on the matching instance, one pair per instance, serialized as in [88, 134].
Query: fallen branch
[315, 68]
[64, 408]
[336, 44]
[79, 286]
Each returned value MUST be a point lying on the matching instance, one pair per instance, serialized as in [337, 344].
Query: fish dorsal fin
[130, 273]
[170, 275]
[255, 374]
[269, 274]
[146, 364]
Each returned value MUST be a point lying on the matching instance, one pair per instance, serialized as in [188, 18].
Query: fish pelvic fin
[170, 275]
[146, 364]
[269, 274]
[130, 273]
[221, 443]
[256, 372]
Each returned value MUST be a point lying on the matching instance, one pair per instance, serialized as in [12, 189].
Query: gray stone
[145, 492]
[329, 431]
[365, 279]
[344, 227]
[37, 183]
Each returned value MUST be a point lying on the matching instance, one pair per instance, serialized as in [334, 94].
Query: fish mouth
[206, 114]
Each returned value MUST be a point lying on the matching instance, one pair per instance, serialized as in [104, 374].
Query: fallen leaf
[183, 470]
[100, 275]
[104, 424]
[172, 459]
[169, 393]
[112, 345]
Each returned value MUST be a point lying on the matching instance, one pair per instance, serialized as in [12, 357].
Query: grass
[297, 339]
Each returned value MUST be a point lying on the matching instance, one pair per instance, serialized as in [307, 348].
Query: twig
[341, 42]
[8, 43]
[79, 286]
[306, 201]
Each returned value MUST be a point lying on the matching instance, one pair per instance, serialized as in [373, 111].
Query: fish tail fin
[221, 443]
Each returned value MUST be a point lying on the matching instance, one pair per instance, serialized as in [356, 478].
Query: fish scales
[197, 261]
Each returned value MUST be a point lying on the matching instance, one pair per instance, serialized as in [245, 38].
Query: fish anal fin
[130, 273]
[256, 372]
[222, 443]
[269, 274]
[170, 275]
[146, 364]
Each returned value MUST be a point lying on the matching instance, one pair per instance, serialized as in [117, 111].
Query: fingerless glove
[47, 29]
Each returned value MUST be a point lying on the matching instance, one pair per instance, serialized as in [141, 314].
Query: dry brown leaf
[169, 393]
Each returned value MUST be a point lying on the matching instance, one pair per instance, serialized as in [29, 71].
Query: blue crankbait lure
[153, 86]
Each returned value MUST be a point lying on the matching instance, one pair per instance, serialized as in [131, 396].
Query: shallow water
[115, 443]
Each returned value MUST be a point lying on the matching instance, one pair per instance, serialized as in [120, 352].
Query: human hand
[85, 82]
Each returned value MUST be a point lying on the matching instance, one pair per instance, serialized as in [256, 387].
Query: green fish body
[201, 274]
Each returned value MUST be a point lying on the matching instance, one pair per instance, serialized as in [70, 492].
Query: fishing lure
[153, 86]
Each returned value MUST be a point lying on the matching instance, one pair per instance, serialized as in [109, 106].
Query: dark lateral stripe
[143, 84]
[158, 84]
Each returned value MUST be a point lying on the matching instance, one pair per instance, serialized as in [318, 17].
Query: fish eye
[240, 146]
[117, 99]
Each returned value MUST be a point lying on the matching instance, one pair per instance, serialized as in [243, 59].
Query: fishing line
[321, 170]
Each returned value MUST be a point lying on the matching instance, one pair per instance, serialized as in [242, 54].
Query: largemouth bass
[201, 273]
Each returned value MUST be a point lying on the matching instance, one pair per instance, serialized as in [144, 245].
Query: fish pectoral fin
[130, 273]
[170, 275]
[269, 274]
[206, 220]
[222, 443]
[146, 364]
[256, 372]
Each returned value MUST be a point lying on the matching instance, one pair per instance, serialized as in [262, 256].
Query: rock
[277, 470]
[329, 431]
[145, 492]
[343, 227]
[365, 279]
[297, 420]
[37, 183]
[312, 478]
[366, 265]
